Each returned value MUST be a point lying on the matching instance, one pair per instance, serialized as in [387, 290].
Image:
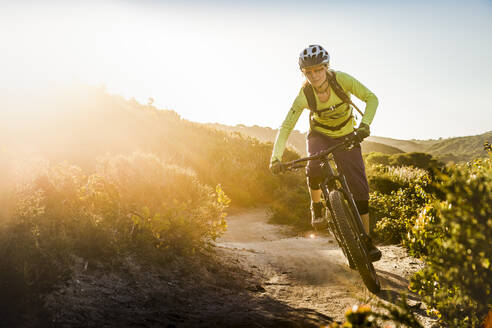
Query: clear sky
[235, 62]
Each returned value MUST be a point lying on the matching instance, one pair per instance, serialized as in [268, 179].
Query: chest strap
[313, 123]
[331, 108]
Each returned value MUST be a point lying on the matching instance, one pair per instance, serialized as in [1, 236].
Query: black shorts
[350, 163]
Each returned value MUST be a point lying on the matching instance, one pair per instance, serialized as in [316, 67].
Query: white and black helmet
[313, 55]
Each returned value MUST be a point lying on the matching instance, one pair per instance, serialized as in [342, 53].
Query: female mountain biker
[331, 120]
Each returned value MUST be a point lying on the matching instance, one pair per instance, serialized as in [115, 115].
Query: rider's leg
[365, 222]
[315, 195]
[318, 220]
[363, 208]
[316, 143]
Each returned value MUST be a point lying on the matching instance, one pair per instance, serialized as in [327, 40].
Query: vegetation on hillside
[130, 206]
[444, 217]
[101, 178]
[417, 160]
[453, 236]
[460, 149]
[296, 142]
[89, 123]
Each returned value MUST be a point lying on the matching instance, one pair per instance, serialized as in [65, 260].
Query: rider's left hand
[363, 131]
[276, 167]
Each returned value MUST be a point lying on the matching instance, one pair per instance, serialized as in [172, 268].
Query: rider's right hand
[363, 131]
[276, 167]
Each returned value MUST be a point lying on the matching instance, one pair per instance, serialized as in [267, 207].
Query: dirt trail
[309, 271]
[260, 275]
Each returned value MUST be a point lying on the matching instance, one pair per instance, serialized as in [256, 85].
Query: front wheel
[342, 218]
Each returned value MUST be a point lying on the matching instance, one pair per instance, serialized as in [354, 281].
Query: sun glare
[235, 64]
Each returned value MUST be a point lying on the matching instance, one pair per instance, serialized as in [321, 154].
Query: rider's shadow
[393, 292]
[383, 277]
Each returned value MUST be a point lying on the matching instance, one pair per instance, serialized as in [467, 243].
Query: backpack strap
[311, 99]
[337, 88]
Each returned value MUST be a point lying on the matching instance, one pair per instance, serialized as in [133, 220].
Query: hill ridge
[297, 139]
[455, 149]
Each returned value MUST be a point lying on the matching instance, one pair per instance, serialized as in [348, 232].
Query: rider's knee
[314, 182]
[362, 206]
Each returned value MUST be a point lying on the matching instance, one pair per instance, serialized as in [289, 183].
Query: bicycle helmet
[313, 55]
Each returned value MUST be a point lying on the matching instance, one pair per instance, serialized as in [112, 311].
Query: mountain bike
[345, 222]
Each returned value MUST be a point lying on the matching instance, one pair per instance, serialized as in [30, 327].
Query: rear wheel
[353, 247]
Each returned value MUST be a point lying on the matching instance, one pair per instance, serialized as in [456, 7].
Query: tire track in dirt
[310, 271]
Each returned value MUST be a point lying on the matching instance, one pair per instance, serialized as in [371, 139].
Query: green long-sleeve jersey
[331, 118]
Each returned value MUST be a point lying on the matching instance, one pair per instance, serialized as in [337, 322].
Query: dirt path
[309, 271]
[260, 275]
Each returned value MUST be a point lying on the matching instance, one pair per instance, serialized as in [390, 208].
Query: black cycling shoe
[374, 253]
[318, 220]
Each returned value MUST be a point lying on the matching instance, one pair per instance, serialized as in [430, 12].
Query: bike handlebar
[347, 143]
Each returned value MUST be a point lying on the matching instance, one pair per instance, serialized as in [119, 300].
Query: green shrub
[162, 205]
[376, 158]
[395, 213]
[418, 160]
[454, 240]
[385, 179]
[292, 201]
[425, 230]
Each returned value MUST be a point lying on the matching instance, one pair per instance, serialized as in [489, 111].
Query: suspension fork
[329, 181]
[350, 199]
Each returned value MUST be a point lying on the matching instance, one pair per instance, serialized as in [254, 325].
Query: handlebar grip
[294, 167]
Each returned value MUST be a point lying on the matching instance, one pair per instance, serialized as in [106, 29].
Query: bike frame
[345, 223]
[330, 177]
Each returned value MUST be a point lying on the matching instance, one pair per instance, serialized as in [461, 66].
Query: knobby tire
[342, 215]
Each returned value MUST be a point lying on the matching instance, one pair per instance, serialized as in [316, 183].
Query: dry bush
[131, 205]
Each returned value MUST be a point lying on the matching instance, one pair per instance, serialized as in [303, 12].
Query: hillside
[458, 149]
[81, 125]
[461, 148]
[407, 146]
[369, 147]
[297, 140]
